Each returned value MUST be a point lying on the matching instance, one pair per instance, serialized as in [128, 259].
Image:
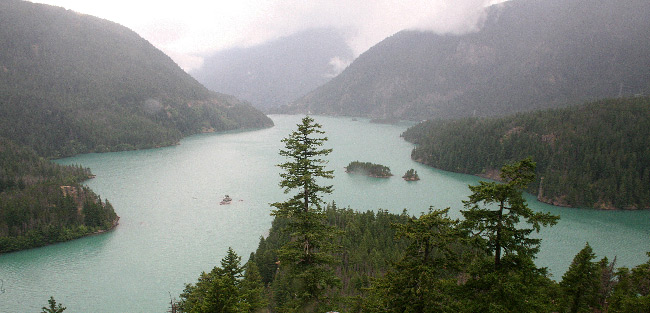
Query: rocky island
[368, 169]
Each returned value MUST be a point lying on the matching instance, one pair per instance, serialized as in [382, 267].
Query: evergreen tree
[581, 282]
[252, 296]
[496, 229]
[518, 286]
[307, 258]
[231, 266]
[631, 293]
[512, 282]
[223, 289]
[211, 293]
[423, 280]
[53, 307]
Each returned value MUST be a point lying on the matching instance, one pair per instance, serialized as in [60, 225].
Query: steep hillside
[72, 83]
[42, 202]
[528, 55]
[592, 155]
[275, 73]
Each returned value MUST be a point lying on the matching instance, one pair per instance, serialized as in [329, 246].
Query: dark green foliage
[424, 279]
[252, 293]
[385, 267]
[441, 272]
[224, 289]
[631, 292]
[369, 169]
[212, 293]
[527, 55]
[453, 266]
[411, 175]
[432, 237]
[593, 155]
[368, 248]
[497, 228]
[581, 283]
[43, 203]
[517, 286]
[53, 307]
[306, 259]
[368, 244]
[73, 83]
[302, 169]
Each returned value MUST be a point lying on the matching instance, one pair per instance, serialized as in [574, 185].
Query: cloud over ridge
[188, 30]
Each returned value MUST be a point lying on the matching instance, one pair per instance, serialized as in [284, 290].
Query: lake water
[172, 227]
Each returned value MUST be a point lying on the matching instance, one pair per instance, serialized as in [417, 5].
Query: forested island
[411, 175]
[368, 169]
[42, 202]
[320, 258]
[592, 155]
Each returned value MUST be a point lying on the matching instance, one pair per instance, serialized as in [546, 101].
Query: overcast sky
[190, 29]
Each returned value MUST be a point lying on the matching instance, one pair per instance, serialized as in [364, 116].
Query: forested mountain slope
[529, 54]
[73, 83]
[275, 73]
[592, 155]
[42, 202]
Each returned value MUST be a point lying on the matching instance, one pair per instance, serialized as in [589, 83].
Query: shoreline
[490, 174]
[95, 233]
[101, 231]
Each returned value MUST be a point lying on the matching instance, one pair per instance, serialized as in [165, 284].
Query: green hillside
[73, 83]
[528, 55]
[42, 202]
[592, 155]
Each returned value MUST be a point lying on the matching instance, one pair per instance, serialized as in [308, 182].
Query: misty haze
[325, 156]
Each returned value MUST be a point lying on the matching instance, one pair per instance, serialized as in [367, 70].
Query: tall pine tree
[230, 288]
[306, 260]
[503, 276]
[497, 226]
[581, 282]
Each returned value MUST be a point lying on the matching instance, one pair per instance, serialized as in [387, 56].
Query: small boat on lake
[226, 200]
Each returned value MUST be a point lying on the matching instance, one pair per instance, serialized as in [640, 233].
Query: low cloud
[190, 29]
[337, 66]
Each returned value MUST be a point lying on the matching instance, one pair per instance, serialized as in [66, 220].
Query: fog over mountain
[190, 30]
[277, 72]
[528, 55]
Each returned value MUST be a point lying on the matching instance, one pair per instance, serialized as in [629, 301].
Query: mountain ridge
[528, 55]
[72, 83]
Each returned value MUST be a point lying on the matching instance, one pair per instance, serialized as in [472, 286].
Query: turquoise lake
[172, 227]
